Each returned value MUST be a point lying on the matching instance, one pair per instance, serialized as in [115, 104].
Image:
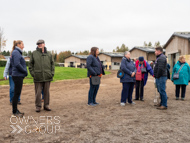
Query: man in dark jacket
[160, 73]
[41, 68]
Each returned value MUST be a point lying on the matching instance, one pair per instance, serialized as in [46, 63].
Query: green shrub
[56, 64]
[27, 63]
[3, 63]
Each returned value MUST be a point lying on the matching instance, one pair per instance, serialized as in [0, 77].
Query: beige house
[26, 58]
[147, 52]
[178, 44]
[111, 60]
[2, 57]
[76, 61]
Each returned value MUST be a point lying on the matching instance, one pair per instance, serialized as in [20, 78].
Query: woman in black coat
[95, 68]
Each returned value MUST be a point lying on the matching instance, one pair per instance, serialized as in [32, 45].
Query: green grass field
[61, 73]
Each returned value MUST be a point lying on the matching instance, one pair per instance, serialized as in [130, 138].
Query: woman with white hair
[128, 80]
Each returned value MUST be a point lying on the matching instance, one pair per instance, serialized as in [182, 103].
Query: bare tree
[101, 50]
[157, 44]
[2, 39]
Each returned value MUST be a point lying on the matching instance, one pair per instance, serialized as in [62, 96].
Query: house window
[116, 63]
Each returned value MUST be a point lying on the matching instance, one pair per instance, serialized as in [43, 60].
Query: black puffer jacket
[160, 68]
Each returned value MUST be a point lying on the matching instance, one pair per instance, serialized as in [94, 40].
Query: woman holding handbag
[143, 68]
[95, 71]
[128, 80]
[181, 77]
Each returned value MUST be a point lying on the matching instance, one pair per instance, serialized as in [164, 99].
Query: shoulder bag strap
[180, 68]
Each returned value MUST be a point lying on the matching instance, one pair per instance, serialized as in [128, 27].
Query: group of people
[41, 67]
[136, 75]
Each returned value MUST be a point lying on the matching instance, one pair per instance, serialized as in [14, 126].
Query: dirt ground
[71, 120]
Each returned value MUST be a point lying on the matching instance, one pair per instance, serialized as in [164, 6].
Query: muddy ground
[71, 120]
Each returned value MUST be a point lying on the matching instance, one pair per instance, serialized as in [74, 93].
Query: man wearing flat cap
[41, 68]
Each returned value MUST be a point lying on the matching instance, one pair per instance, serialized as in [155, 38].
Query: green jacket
[184, 74]
[41, 65]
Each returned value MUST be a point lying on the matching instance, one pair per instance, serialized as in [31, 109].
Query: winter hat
[141, 59]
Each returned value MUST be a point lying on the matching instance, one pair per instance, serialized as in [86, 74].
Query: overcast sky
[80, 24]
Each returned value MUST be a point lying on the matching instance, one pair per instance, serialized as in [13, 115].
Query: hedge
[3, 63]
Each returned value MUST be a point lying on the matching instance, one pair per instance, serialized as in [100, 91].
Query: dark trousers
[18, 82]
[92, 92]
[183, 87]
[39, 87]
[139, 87]
[127, 92]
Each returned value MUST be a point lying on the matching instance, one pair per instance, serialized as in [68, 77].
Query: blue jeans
[11, 91]
[161, 86]
[92, 92]
[127, 92]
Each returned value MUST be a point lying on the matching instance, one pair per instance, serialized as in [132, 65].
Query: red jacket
[137, 63]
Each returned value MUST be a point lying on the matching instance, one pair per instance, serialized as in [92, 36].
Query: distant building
[2, 57]
[147, 52]
[76, 61]
[111, 60]
[26, 58]
[178, 44]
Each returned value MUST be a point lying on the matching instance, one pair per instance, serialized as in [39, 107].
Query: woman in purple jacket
[141, 63]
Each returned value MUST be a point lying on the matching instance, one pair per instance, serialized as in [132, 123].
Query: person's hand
[5, 78]
[133, 74]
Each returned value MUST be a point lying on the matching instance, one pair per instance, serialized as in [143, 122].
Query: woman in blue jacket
[19, 72]
[141, 63]
[95, 68]
[184, 77]
[129, 69]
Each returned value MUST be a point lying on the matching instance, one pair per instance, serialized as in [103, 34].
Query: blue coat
[128, 67]
[94, 66]
[18, 64]
[184, 74]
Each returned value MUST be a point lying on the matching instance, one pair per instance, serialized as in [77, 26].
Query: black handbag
[143, 70]
[176, 75]
[95, 80]
[120, 74]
